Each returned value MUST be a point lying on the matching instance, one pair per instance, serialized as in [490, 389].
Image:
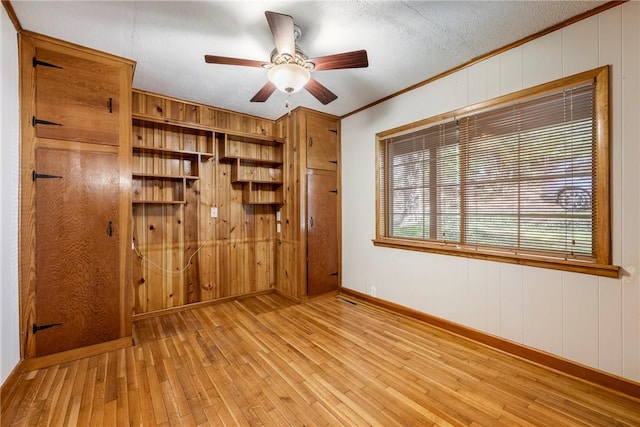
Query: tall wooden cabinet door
[322, 142]
[77, 99]
[77, 249]
[322, 233]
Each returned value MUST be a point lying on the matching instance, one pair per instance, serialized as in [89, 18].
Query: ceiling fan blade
[212, 59]
[264, 93]
[323, 94]
[355, 59]
[282, 29]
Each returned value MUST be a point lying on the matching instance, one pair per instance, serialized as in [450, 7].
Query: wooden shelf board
[262, 203]
[257, 181]
[238, 136]
[170, 122]
[253, 160]
[158, 202]
[170, 152]
[161, 176]
[253, 138]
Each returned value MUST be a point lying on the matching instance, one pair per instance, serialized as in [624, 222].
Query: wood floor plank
[267, 361]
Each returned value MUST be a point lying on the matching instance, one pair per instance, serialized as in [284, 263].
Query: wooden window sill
[574, 266]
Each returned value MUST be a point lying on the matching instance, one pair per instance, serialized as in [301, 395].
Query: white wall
[588, 319]
[9, 167]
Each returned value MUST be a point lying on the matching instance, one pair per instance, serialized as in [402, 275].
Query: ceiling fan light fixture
[289, 78]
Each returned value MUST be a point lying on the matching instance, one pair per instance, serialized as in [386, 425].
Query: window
[523, 178]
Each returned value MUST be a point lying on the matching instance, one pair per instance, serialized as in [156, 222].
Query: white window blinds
[517, 178]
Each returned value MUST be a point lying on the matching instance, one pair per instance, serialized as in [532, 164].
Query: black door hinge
[35, 121]
[35, 175]
[37, 62]
[37, 328]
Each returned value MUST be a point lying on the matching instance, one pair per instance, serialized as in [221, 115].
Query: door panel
[322, 233]
[76, 97]
[322, 143]
[77, 260]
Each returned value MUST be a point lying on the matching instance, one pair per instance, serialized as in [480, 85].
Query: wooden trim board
[8, 386]
[577, 370]
[12, 15]
[162, 312]
[75, 354]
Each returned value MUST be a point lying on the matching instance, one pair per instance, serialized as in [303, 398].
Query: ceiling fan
[289, 67]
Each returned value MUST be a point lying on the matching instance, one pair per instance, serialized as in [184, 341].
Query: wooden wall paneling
[288, 275]
[191, 227]
[125, 163]
[137, 104]
[139, 266]
[207, 257]
[267, 253]
[153, 251]
[237, 230]
[153, 106]
[299, 258]
[174, 255]
[223, 226]
[207, 116]
[182, 111]
[249, 243]
[222, 119]
[238, 253]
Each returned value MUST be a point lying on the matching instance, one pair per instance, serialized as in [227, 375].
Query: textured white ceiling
[407, 42]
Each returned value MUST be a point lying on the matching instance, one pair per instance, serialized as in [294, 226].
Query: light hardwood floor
[264, 361]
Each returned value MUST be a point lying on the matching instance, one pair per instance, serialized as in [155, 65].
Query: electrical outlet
[372, 291]
[214, 212]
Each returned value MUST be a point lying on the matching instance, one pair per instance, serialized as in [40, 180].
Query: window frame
[602, 266]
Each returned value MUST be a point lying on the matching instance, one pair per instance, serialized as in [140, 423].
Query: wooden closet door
[322, 143]
[322, 232]
[77, 249]
[78, 97]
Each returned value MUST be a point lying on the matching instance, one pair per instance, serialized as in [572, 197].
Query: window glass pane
[447, 185]
[410, 216]
[492, 229]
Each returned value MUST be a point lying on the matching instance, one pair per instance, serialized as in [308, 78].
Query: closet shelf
[183, 154]
[163, 176]
[236, 135]
[158, 202]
